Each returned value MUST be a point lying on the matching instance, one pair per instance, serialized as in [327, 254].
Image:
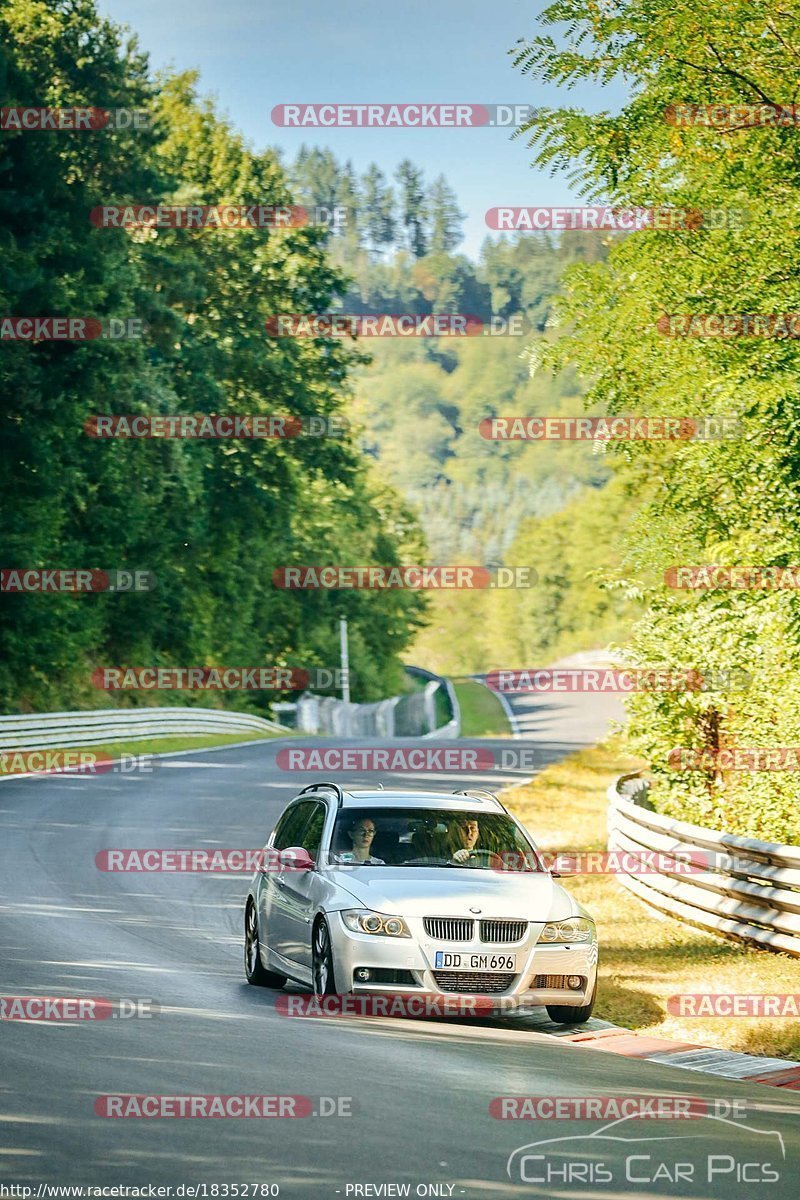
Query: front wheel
[562, 1014]
[253, 968]
[322, 960]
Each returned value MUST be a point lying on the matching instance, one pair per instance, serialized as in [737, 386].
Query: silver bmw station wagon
[412, 892]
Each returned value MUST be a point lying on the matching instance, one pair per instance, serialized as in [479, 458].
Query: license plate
[446, 960]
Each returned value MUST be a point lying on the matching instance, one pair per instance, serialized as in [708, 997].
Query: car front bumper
[534, 963]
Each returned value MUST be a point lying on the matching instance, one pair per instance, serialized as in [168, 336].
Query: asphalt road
[419, 1091]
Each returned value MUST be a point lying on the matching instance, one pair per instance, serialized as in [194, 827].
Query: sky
[254, 54]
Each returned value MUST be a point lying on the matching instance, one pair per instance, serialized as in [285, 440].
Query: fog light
[362, 974]
[575, 982]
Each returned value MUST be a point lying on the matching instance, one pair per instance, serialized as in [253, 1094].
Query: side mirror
[295, 858]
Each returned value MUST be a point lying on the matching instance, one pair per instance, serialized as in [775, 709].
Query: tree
[348, 199]
[377, 202]
[724, 501]
[444, 217]
[413, 207]
[211, 519]
[316, 177]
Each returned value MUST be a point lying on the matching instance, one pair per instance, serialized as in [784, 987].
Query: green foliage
[211, 519]
[445, 217]
[419, 218]
[413, 207]
[728, 502]
[378, 207]
[420, 406]
[573, 603]
[482, 714]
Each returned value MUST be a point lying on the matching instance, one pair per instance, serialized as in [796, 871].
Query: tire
[322, 968]
[253, 967]
[562, 1014]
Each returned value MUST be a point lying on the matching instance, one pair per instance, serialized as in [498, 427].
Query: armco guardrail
[436, 683]
[410, 715]
[97, 727]
[750, 891]
[328, 715]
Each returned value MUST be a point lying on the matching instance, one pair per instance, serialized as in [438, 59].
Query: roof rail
[479, 791]
[316, 787]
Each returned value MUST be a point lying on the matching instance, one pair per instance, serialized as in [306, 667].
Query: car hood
[453, 891]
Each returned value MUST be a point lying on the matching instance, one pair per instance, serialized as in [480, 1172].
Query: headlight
[574, 929]
[361, 920]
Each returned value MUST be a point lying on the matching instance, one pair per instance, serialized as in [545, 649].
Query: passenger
[361, 833]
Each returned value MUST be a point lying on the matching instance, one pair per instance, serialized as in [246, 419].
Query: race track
[420, 1090]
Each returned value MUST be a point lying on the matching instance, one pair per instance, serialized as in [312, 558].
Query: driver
[466, 834]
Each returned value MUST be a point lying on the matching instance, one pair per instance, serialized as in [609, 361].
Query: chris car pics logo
[718, 1152]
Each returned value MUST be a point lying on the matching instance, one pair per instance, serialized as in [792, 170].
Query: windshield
[431, 837]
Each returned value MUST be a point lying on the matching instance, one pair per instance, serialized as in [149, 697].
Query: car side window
[312, 837]
[289, 830]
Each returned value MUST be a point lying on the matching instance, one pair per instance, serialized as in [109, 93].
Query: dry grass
[645, 958]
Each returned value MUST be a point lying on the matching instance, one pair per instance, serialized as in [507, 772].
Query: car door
[271, 907]
[299, 894]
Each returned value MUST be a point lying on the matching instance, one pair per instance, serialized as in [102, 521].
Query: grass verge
[645, 958]
[482, 713]
[163, 745]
